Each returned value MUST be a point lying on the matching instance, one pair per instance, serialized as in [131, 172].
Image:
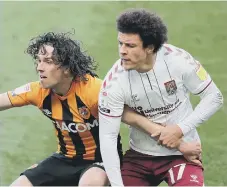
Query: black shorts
[57, 171]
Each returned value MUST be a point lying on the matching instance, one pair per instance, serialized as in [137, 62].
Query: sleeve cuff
[184, 128]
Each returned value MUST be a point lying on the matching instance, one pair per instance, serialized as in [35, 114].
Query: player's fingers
[167, 143]
[196, 152]
[170, 146]
[198, 147]
[191, 157]
[196, 161]
[156, 134]
[171, 143]
[164, 142]
[188, 158]
[174, 145]
[159, 142]
[198, 144]
[199, 150]
[160, 136]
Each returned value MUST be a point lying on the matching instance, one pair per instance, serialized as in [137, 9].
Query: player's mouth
[42, 77]
[125, 60]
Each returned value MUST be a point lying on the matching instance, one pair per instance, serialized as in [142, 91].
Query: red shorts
[144, 170]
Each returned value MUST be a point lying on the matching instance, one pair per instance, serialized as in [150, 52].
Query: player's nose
[40, 66]
[122, 50]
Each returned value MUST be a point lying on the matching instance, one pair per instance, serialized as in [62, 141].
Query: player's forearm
[109, 128]
[150, 127]
[111, 160]
[211, 101]
[4, 102]
[136, 120]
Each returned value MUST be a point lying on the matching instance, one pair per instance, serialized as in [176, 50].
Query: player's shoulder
[33, 87]
[174, 52]
[175, 55]
[36, 87]
[116, 70]
[88, 90]
[31, 92]
[91, 82]
[115, 77]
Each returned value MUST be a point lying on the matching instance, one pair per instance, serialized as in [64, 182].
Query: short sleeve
[28, 94]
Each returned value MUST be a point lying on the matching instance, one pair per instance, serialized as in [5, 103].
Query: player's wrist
[183, 129]
[181, 147]
[178, 131]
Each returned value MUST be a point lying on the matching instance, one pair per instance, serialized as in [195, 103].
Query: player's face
[132, 53]
[51, 74]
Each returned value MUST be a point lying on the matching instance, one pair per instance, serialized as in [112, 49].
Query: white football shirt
[162, 95]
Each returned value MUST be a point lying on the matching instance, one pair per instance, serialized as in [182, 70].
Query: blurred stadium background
[26, 136]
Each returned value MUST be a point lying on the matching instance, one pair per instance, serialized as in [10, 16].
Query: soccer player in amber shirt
[66, 93]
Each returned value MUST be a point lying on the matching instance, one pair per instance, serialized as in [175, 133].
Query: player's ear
[66, 72]
[150, 49]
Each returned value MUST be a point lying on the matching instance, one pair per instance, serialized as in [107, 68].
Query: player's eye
[49, 61]
[131, 45]
[37, 61]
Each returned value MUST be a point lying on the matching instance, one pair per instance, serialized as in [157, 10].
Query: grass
[27, 136]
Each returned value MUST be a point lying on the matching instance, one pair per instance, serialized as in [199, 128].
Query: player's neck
[148, 64]
[63, 88]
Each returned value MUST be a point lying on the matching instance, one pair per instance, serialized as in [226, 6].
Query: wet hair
[147, 25]
[67, 53]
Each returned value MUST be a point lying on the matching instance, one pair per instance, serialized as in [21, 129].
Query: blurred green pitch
[27, 136]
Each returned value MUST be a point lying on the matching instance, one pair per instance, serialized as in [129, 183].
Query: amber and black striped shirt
[75, 115]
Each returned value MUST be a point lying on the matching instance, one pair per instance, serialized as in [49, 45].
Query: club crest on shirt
[84, 112]
[171, 87]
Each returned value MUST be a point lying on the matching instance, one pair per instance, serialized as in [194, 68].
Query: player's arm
[5, 102]
[190, 150]
[111, 106]
[199, 83]
[136, 120]
[21, 96]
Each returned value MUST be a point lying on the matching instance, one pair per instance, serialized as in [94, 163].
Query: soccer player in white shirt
[155, 79]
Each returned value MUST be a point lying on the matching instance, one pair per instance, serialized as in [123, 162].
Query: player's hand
[194, 159]
[192, 152]
[170, 136]
[157, 131]
[193, 148]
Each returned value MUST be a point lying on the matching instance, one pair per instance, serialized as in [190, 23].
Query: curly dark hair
[67, 53]
[149, 26]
